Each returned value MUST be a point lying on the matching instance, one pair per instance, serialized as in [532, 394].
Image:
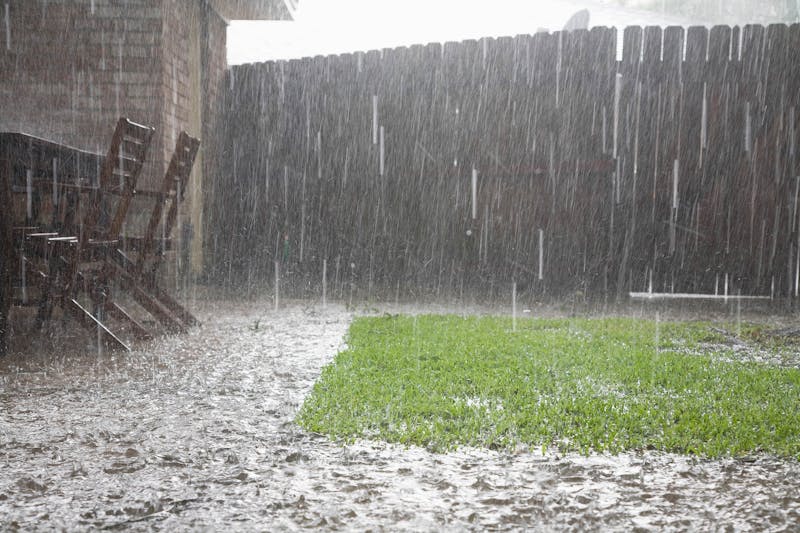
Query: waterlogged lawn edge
[586, 385]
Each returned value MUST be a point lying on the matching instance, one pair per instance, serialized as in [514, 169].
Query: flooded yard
[198, 432]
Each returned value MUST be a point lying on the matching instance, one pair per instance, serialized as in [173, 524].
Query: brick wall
[69, 68]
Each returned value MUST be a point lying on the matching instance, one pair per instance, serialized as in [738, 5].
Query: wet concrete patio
[197, 432]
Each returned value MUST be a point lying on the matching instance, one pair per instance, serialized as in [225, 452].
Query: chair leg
[120, 314]
[90, 323]
[177, 309]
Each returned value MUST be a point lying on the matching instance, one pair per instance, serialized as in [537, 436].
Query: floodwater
[197, 432]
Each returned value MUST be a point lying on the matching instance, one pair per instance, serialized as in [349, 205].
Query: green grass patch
[575, 384]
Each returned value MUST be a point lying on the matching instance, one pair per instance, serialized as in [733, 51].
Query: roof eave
[255, 9]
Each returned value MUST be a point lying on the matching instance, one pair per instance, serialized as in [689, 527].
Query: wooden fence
[542, 159]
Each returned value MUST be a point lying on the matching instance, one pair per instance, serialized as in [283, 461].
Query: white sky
[324, 27]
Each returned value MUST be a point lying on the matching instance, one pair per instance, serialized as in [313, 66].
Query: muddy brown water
[197, 432]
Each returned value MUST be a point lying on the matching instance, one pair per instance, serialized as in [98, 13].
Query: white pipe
[689, 296]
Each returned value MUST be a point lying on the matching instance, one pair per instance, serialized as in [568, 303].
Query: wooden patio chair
[81, 263]
[140, 275]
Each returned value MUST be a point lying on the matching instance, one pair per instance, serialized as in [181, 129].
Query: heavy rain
[189, 247]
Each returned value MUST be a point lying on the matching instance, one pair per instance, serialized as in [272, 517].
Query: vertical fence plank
[779, 258]
[748, 230]
[645, 182]
[593, 203]
[717, 151]
[624, 187]
[685, 171]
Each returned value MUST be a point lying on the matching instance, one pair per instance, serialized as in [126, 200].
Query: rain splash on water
[198, 432]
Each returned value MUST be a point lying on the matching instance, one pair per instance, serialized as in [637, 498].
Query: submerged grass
[577, 384]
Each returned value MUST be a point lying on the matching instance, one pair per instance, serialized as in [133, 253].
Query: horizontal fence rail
[543, 159]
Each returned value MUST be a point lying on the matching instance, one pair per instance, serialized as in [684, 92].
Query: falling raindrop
[797, 271]
[617, 94]
[308, 122]
[324, 282]
[704, 123]
[382, 153]
[747, 128]
[514, 306]
[726, 286]
[55, 181]
[739, 313]
[29, 194]
[286, 188]
[558, 68]
[118, 79]
[319, 154]
[674, 214]
[374, 119]
[658, 332]
[636, 133]
[102, 49]
[121, 167]
[174, 114]
[266, 183]
[303, 218]
[552, 163]
[281, 92]
[352, 284]
[277, 283]
[485, 234]
[346, 166]
[23, 277]
[474, 193]
[541, 254]
[8, 26]
[100, 316]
